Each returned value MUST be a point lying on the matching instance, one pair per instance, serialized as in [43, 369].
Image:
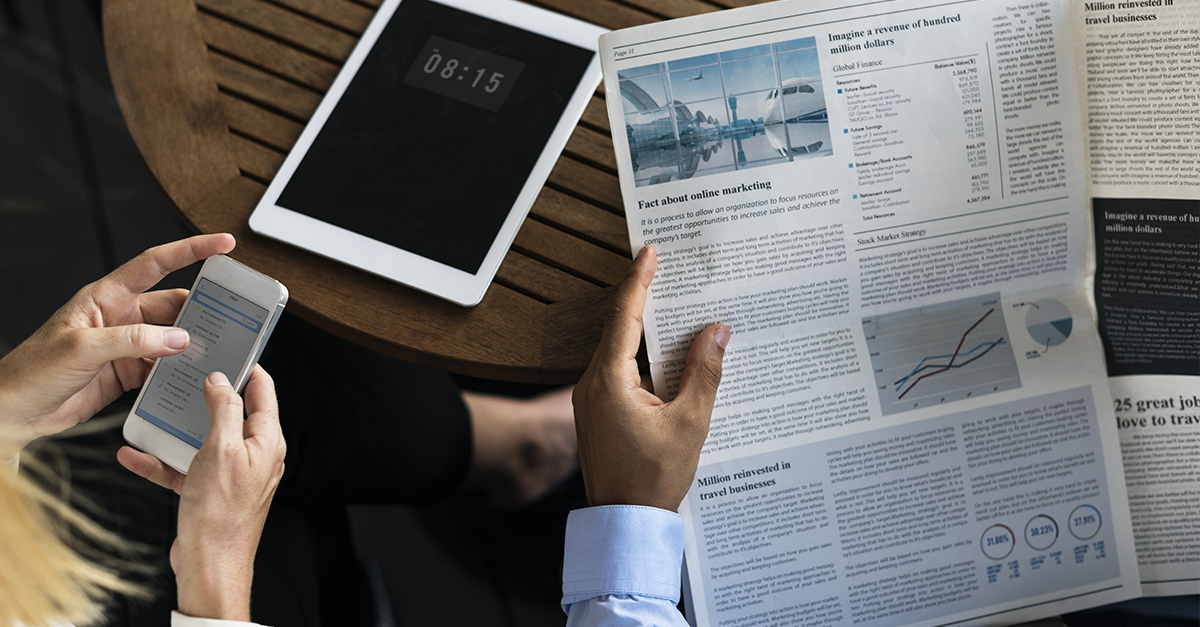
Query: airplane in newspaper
[800, 108]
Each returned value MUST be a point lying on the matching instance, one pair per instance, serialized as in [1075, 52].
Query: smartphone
[229, 314]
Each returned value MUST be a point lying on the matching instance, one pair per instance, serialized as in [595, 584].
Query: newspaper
[1139, 69]
[886, 202]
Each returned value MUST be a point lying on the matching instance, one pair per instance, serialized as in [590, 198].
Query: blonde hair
[49, 572]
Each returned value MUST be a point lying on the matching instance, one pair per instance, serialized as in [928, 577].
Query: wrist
[16, 423]
[12, 428]
[215, 590]
[14, 439]
[653, 494]
[649, 501]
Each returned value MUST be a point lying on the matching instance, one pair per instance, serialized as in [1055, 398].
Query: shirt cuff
[622, 550]
[183, 620]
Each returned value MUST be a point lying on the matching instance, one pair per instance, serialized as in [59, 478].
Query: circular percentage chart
[1041, 532]
[997, 541]
[1084, 522]
[1049, 322]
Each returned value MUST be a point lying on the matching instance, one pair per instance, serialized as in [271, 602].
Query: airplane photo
[765, 107]
[807, 120]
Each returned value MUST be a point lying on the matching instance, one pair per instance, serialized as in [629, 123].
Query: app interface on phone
[223, 327]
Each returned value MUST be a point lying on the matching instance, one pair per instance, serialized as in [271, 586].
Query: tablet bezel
[397, 264]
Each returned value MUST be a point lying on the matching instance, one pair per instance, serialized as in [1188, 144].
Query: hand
[634, 448]
[224, 498]
[98, 344]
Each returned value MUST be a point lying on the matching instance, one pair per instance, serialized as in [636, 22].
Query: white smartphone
[229, 314]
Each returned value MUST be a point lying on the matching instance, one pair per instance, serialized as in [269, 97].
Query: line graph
[989, 345]
[952, 356]
[918, 355]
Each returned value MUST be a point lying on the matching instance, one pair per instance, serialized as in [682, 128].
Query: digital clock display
[435, 136]
[466, 74]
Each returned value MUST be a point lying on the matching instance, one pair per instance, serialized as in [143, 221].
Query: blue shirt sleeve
[622, 566]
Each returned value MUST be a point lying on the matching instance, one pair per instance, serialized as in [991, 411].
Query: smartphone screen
[223, 327]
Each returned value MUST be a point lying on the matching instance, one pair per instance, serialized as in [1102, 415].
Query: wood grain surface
[216, 92]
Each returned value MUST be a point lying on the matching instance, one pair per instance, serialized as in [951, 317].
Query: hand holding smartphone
[229, 314]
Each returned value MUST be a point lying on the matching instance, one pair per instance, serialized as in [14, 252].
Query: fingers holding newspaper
[635, 448]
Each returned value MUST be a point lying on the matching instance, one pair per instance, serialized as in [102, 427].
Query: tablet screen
[434, 137]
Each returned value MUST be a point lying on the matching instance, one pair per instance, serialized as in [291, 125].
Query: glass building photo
[727, 111]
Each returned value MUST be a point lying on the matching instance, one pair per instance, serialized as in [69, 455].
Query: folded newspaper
[889, 203]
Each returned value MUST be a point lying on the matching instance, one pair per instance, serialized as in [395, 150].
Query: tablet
[424, 157]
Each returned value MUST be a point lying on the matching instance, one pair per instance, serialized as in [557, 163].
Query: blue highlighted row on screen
[154, 420]
[236, 316]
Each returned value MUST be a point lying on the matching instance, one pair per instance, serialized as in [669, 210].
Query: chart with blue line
[941, 353]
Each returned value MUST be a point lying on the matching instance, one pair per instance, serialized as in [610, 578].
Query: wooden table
[215, 93]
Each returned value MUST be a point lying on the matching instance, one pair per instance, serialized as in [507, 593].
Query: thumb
[702, 373]
[224, 410]
[100, 346]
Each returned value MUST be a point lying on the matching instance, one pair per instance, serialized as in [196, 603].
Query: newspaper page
[885, 201]
[1139, 69]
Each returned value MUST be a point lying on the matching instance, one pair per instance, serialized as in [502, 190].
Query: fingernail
[721, 336]
[176, 339]
[218, 378]
[641, 253]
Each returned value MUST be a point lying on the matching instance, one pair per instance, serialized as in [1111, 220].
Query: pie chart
[1049, 322]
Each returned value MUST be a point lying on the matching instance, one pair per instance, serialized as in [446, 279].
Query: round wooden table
[215, 93]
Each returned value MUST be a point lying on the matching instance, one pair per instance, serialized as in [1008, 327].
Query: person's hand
[634, 448]
[98, 344]
[224, 498]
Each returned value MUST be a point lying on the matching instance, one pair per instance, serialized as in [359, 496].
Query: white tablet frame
[400, 265]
